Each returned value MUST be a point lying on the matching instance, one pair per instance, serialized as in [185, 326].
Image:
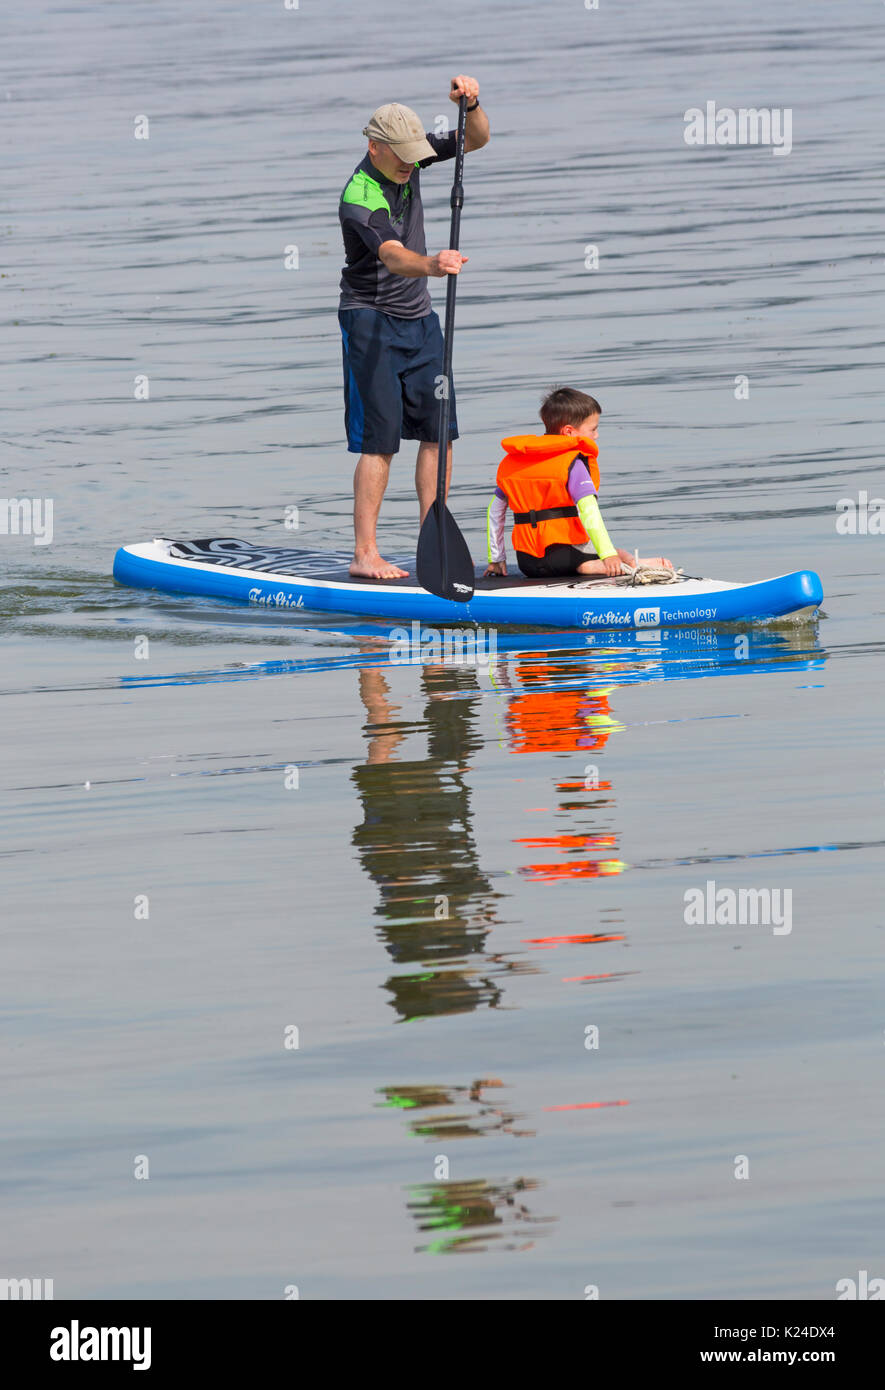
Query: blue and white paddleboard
[318, 581]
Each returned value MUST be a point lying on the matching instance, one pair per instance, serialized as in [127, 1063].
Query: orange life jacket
[533, 476]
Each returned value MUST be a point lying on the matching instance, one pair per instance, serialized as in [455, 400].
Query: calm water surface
[477, 866]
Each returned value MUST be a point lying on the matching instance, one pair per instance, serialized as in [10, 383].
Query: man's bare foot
[370, 565]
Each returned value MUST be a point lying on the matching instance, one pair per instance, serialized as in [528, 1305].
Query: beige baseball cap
[401, 128]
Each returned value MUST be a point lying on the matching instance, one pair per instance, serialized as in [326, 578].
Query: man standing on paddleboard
[391, 338]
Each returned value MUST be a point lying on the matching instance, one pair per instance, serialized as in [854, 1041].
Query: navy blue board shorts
[391, 366]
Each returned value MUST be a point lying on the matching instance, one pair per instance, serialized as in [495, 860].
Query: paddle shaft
[445, 405]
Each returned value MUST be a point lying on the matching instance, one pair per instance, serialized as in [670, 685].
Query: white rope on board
[642, 573]
[652, 574]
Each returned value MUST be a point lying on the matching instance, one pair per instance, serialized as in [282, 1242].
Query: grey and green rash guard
[373, 210]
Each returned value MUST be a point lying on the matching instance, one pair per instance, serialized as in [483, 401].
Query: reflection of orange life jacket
[533, 476]
[557, 721]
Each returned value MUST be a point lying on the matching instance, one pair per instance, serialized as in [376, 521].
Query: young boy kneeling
[550, 482]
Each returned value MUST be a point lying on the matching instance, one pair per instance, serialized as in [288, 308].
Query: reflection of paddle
[443, 562]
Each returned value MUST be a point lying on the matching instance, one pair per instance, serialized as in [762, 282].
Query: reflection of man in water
[451, 1208]
[436, 905]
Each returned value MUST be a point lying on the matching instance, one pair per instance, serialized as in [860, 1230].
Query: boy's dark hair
[563, 405]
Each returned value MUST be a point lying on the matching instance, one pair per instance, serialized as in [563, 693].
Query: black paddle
[443, 562]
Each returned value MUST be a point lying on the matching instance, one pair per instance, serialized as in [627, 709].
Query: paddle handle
[445, 405]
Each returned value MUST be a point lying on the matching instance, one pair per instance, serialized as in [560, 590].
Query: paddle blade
[443, 562]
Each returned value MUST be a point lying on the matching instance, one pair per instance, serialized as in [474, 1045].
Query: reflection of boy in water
[544, 719]
[548, 720]
[416, 843]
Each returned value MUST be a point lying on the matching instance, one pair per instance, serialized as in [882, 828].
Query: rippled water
[442, 877]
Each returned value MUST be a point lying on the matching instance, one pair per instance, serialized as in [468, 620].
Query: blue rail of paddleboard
[649, 607]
